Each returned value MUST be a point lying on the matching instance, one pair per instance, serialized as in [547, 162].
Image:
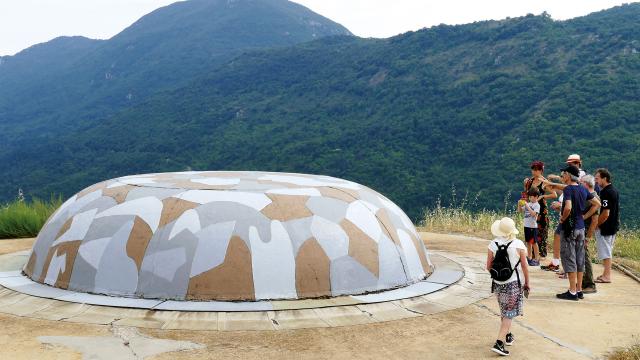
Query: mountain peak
[248, 17]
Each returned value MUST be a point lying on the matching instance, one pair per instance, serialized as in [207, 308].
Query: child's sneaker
[534, 263]
[529, 261]
[498, 347]
[509, 339]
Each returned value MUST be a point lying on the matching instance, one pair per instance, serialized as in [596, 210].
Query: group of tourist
[587, 207]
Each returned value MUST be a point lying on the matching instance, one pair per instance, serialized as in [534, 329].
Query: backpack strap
[515, 268]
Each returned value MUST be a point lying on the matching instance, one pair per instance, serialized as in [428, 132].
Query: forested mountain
[54, 87]
[412, 116]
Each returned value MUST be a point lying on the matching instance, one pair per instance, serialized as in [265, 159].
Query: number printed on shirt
[605, 203]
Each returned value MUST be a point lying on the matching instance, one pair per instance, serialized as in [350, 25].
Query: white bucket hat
[504, 227]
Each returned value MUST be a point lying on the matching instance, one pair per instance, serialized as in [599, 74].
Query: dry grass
[458, 219]
[632, 353]
[627, 244]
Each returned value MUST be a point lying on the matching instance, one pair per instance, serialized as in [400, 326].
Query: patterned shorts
[510, 299]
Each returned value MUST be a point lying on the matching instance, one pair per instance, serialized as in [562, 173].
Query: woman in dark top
[536, 180]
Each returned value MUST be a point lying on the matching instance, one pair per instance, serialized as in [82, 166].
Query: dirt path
[8, 246]
[550, 329]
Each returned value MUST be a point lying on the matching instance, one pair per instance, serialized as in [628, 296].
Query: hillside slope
[464, 107]
[163, 50]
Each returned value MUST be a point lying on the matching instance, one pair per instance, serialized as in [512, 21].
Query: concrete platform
[608, 320]
[456, 282]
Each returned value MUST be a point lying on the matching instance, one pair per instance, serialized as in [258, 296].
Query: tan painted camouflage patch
[119, 194]
[387, 226]
[172, 208]
[138, 241]
[362, 247]
[65, 227]
[423, 258]
[31, 264]
[232, 280]
[337, 194]
[70, 250]
[92, 188]
[313, 271]
[287, 207]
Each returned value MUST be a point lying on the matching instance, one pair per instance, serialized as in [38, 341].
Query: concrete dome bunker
[228, 236]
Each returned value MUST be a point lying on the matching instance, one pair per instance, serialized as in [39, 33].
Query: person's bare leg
[572, 281]
[505, 325]
[579, 281]
[556, 246]
[606, 275]
[536, 251]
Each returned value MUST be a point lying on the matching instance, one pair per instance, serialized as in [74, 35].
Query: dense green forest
[51, 87]
[427, 115]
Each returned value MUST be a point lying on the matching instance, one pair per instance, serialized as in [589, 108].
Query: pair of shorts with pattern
[572, 251]
[531, 235]
[604, 244]
[510, 299]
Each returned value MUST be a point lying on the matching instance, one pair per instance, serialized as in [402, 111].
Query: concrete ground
[551, 328]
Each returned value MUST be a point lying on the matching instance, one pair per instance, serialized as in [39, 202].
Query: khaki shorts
[604, 244]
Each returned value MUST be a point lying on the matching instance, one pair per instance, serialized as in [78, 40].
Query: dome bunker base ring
[228, 236]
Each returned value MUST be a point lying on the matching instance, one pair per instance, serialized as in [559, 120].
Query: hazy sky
[27, 22]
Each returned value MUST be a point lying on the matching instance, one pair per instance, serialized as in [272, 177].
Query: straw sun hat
[504, 227]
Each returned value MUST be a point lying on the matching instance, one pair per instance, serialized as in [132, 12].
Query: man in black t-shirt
[608, 222]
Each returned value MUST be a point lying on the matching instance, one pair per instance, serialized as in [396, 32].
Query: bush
[21, 219]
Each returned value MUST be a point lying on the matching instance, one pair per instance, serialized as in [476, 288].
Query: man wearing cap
[572, 231]
[575, 160]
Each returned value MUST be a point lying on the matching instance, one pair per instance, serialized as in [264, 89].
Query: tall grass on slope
[458, 218]
[21, 219]
[627, 244]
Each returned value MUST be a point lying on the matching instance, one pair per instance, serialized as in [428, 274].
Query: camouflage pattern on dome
[228, 236]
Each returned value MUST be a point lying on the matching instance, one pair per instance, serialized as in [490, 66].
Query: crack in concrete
[115, 330]
[574, 348]
[321, 319]
[364, 311]
[410, 310]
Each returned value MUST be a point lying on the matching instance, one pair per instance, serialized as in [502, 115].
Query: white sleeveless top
[512, 250]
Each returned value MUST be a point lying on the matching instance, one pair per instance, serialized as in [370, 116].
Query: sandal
[600, 280]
